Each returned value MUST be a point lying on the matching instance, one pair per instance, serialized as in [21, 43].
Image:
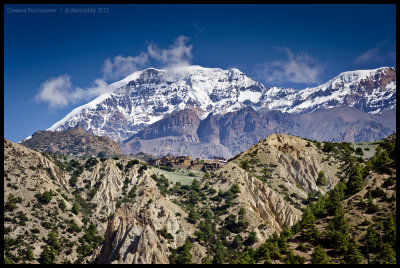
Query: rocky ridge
[147, 96]
[72, 142]
[143, 218]
[234, 132]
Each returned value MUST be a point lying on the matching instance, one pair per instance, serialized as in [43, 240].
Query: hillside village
[187, 162]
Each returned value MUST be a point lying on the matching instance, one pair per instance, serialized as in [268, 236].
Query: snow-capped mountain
[145, 97]
[371, 91]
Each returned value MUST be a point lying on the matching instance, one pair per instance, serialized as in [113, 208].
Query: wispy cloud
[178, 54]
[379, 53]
[122, 66]
[295, 68]
[58, 92]
[54, 91]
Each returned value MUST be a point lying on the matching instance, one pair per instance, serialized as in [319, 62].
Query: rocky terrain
[117, 210]
[63, 203]
[234, 132]
[354, 223]
[73, 142]
[201, 111]
[61, 209]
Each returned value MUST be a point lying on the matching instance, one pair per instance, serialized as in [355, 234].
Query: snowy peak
[146, 96]
[361, 77]
[371, 91]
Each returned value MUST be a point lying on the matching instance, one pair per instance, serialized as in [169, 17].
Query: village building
[186, 162]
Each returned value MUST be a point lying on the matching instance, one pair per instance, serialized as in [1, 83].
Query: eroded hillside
[119, 210]
[354, 223]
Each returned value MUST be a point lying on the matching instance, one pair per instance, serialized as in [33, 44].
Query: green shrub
[75, 208]
[44, 198]
[322, 180]
[72, 181]
[164, 233]
[167, 168]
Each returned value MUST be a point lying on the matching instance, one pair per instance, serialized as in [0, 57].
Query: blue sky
[56, 61]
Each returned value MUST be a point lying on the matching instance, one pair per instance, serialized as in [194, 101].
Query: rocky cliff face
[233, 132]
[181, 123]
[73, 142]
[132, 238]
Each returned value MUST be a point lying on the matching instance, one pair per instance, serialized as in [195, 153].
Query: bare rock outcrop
[135, 233]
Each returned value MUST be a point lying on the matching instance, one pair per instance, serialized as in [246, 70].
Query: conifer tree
[182, 255]
[338, 230]
[319, 256]
[390, 230]
[309, 230]
[48, 255]
[353, 254]
[53, 239]
[371, 238]
[193, 215]
[219, 254]
[371, 206]
[386, 256]
[355, 181]
[335, 197]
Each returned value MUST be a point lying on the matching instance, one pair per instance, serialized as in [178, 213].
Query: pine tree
[386, 256]
[390, 230]
[181, 255]
[291, 258]
[371, 206]
[185, 257]
[309, 230]
[319, 256]
[219, 254]
[383, 158]
[338, 230]
[335, 197]
[237, 242]
[193, 215]
[371, 238]
[251, 239]
[355, 181]
[263, 252]
[247, 257]
[53, 239]
[48, 255]
[29, 253]
[353, 254]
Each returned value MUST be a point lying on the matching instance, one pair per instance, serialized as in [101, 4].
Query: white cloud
[58, 92]
[99, 87]
[380, 52]
[122, 66]
[178, 54]
[55, 91]
[296, 68]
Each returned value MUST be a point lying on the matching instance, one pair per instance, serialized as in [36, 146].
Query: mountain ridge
[146, 96]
